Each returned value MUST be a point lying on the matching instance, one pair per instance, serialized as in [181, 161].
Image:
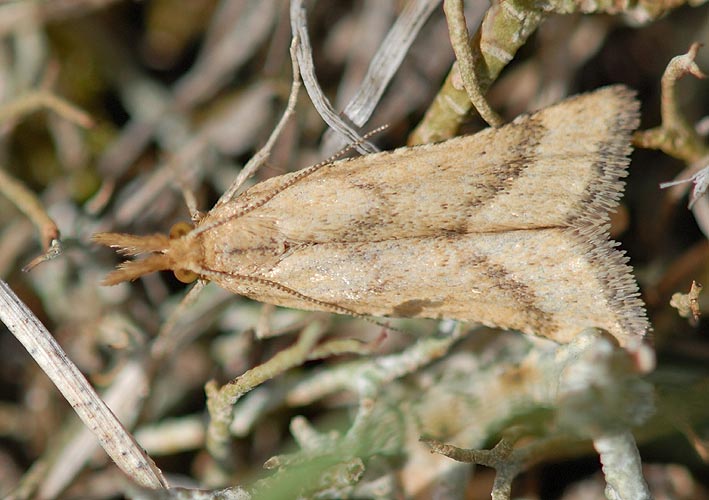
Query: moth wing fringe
[591, 223]
[604, 194]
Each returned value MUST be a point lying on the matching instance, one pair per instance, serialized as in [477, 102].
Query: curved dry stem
[459, 36]
[675, 136]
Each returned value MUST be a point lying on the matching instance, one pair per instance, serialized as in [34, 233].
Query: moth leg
[190, 200]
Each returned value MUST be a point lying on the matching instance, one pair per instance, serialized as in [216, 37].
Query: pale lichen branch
[675, 136]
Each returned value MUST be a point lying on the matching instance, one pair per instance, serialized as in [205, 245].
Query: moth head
[173, 252]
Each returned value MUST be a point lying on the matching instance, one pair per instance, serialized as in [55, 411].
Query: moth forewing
[507, 227]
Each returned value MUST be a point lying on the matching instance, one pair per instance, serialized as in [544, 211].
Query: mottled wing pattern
[507, 227]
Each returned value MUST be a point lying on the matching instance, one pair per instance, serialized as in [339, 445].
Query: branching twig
[220, 401]
[687, 304]
[24, 199]
[675, 136]
[499, 458]
[33, 101]
[28, 203]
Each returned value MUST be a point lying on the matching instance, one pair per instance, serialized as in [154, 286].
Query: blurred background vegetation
[181, 95]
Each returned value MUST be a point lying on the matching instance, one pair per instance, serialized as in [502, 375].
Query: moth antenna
[309, 171]
[296, 178]
[352, 145]
[134, 269]
[335, 308]
[130, 244]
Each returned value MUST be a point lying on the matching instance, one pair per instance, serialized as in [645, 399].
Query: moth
[507, 227]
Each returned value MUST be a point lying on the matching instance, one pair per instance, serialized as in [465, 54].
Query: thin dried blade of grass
[383, 66]
[264, 153]
[388, 58]
[304, 53]
[125, 398]
[113, 437]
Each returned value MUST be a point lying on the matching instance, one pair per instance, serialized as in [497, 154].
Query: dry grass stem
[119, 444]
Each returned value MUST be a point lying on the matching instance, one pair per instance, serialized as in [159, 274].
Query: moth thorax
[183, 252]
